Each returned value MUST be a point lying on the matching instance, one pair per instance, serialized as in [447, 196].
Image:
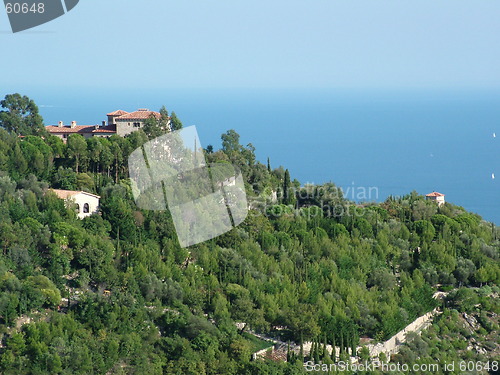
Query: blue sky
[370, 44]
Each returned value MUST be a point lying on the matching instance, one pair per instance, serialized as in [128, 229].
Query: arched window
[77, 208]
[86, 208]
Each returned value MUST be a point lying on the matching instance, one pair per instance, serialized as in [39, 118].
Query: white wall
[81, 199]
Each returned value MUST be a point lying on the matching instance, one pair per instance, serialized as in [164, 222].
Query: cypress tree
[286, 187]
[316, 351]
[334, 350]
[354, 342]
[341, 342]
[325, 352]
[301, 353]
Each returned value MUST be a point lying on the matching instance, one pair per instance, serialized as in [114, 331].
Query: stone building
[127, 123]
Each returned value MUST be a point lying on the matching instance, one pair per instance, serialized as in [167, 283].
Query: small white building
[86, 203]
[437, 197]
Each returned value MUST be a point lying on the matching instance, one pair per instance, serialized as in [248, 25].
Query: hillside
[114, 293]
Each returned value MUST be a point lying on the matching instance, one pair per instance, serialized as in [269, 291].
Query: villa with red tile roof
[87, 131]
[119, 122]
[437, 197]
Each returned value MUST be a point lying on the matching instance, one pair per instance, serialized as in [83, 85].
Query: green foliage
[175, 123]
[452, 338]
[51, 295]
[305, 259]
[77, 149]
[20, 116]
[156, 126]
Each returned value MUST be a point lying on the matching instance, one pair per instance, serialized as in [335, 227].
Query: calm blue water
[394, 141]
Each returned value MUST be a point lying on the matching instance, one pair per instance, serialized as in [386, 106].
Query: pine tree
[175, 123]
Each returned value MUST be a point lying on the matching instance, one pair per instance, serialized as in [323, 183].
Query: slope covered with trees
[115, 293]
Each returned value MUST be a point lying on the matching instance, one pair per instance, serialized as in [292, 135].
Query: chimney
[104, 123]
[73, 124]
[61, 124]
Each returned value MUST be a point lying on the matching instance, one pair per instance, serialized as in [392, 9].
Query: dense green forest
[115, 293]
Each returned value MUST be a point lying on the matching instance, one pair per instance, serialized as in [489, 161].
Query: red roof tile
[117, 113]
[64, 194]
[105, 129]
[435, 194]
[141, 114]
[68, 129]
[80, 129]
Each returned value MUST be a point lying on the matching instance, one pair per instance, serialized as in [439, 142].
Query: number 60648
[24, 8]
[472, 366]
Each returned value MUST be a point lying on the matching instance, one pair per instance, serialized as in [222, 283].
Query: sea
[372, 143]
